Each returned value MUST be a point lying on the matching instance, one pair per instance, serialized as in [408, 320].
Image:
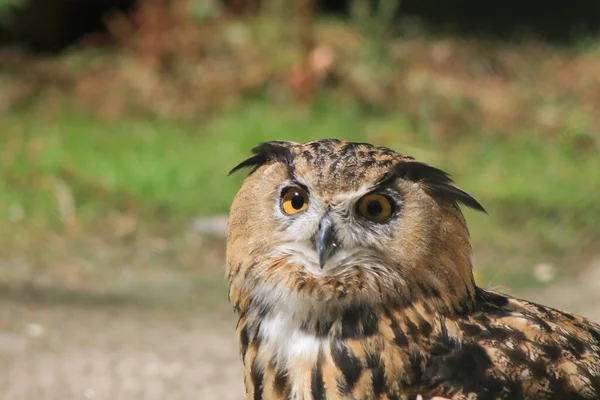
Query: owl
[349, 266]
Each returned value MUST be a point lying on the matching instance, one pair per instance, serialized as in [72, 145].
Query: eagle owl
[349, 266]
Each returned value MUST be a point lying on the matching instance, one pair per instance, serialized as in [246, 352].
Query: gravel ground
[64, 352]
[73, 352]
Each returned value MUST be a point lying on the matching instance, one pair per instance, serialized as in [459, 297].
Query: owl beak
[325, 240]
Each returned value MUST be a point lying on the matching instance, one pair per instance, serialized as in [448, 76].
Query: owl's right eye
[294, 200]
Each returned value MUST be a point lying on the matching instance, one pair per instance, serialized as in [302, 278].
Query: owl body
[349, 266]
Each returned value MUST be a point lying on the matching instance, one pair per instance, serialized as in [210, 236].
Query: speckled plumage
[395, 312]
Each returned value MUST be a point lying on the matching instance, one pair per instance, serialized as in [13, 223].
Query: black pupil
[297, 201]
[374, 208]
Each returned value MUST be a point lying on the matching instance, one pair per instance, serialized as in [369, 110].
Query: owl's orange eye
[294, 200]
[375, 207]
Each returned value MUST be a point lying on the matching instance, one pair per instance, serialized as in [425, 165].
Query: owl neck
[277, 310]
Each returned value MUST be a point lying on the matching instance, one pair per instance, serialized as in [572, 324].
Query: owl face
[328, 232]
[331, 219]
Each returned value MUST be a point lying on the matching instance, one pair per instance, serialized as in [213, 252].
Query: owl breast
[285, 346]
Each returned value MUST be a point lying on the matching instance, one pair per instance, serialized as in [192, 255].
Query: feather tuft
[265, 152]
[437, 183]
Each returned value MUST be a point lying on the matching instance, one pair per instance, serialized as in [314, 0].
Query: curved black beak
[325, 241]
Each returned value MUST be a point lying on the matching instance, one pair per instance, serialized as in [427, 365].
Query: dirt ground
[64, 352]
[72, 352]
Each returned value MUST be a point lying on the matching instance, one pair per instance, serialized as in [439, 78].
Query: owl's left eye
[294, 200]
[375, 207]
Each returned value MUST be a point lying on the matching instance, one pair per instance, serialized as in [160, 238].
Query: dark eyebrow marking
[437, 183]
[269, 151]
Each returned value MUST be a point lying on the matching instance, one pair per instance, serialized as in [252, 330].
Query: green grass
[542, 193]
[164, 167]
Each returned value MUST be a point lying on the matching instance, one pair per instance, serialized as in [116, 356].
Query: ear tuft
[437, 183]
[265, 152]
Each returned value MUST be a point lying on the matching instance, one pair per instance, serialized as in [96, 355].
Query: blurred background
[119, 120]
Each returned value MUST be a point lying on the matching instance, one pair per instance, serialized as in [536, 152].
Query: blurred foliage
[375, 22]
[6, 6]
[202, 10]
[174, 67]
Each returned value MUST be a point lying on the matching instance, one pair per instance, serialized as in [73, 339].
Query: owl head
[328, 223]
